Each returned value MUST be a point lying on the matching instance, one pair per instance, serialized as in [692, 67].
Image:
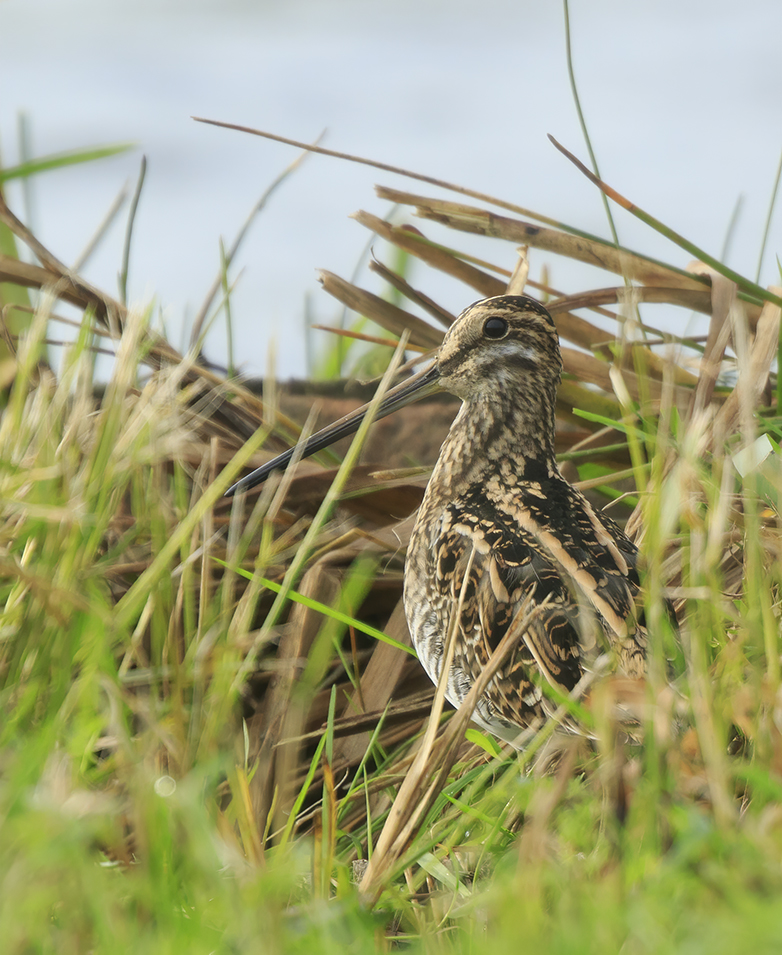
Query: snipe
[499, 527]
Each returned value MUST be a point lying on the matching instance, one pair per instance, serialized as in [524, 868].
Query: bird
[500, 530]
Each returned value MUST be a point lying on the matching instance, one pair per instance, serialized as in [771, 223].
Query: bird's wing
[588, 549]
[495, 581]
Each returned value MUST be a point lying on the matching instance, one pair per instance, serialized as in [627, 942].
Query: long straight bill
[425, 383]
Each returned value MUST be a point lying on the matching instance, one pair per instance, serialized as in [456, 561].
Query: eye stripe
[516, 350]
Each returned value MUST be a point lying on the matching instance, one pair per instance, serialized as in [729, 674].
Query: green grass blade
[327, 611]
[62, 160]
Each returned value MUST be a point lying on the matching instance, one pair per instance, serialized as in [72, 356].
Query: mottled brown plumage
[500, 530]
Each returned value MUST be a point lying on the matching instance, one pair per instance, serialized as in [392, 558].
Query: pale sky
[683, 101]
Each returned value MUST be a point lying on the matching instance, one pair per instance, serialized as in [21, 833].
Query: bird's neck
[489, 434]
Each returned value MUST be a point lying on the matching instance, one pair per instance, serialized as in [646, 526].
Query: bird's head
[499, 345]
[504, 347]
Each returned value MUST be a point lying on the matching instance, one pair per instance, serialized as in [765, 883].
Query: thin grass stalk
[124, 270]
[582, 120]
[100, 232]
[767, 228]
[329, 500]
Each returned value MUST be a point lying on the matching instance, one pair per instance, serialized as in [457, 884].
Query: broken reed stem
[423, 782]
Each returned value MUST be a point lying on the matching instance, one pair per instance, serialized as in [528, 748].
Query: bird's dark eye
[495, 327]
